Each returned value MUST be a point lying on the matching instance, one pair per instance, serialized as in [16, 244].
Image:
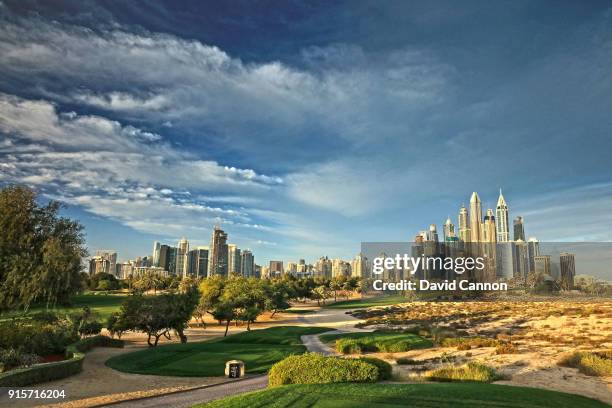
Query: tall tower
[475, 218]
[449, 229]
[182, 263]
[464, 228]
[519, 229]
[488, 230]
[234, 260]
[432, 234]
[217, 255]
[247, 264]
[156, 249]
[501, 219]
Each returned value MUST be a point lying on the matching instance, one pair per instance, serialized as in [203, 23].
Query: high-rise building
[340, 268]
[449, 229]
[217, 256]
[489, 231]
[276, 269]
[197, 262]
[432, 234]
[323, 267]
[501, 219]
[464, 227]
[182, 251]
[359, 266]
[475, 218]
[542, 265]
[156, 249]
[533, 250]
[247, 264]
[519, 229]
[291, 268]
[234, 259]
[110, 258]
[521, 259]
[568, 270]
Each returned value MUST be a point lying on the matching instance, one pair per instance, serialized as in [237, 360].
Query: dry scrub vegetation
[556, 344]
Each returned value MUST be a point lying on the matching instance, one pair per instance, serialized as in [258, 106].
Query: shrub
[590, 363]
[88, 343]
[384, 368]
[472, 371]
[506, 348]
[407, 361]
[312, 368]
[467, 343]
[11, 358]
[42, 372]
[350, 346]
[36, 337]
[90, 328]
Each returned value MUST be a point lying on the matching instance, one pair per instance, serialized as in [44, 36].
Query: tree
[40, 252]
[277, 296]
[320, 293]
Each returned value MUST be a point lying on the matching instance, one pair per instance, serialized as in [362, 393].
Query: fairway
[368, 302]
[259, 349]
[102, 304]
[405, 395]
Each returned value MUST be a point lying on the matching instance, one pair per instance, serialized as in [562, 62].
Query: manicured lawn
[299, 311]
[405, 395]
[381, 341]
[259, 349]
[102, 304]
[369, 302]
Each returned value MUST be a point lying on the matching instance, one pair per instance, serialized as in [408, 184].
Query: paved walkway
[333, 318]
[201, 395]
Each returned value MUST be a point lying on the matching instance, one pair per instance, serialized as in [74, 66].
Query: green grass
[472, 371]
[368, 302]
[102, 304]
[259, 349]
[448, 395]
[390, 342]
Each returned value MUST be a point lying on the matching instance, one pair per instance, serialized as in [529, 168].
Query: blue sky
[305, 128]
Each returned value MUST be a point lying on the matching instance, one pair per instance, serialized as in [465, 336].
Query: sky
[305, 128]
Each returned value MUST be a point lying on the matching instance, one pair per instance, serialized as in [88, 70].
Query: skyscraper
[464, 228]
[156, 249]
[542, 265]
[276, 269]
[449, 229]
[110, 256]
[568, 270]
[489, 230]
[247, 264]
[501, 219]
[519, 229]
[432, 234]
[233, 259]
[475, 218]
[182, 251]
[217, 256]
[533, 250]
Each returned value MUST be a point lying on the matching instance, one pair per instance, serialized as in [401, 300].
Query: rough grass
[447, 395]
[259, 349]
[369, 302]
[467, 343]
[597, 364]
[472, 371]
[388, 342]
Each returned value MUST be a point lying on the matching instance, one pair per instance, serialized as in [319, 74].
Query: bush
[384, 368]
[90, 328]
[11, 358]
[506, 348]
[88, 343]
[467, 343]
[312, 368]
[597, 364]
[407, 361]
[39, 373]
[472, 371]
[36, 337]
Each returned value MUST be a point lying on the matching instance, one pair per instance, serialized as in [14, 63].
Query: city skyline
[301, 144]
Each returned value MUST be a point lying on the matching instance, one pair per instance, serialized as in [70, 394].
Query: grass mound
[590, 363]
[445, 395]
[259, 349]
[313, 368]
[389, 342]
[472, 371]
